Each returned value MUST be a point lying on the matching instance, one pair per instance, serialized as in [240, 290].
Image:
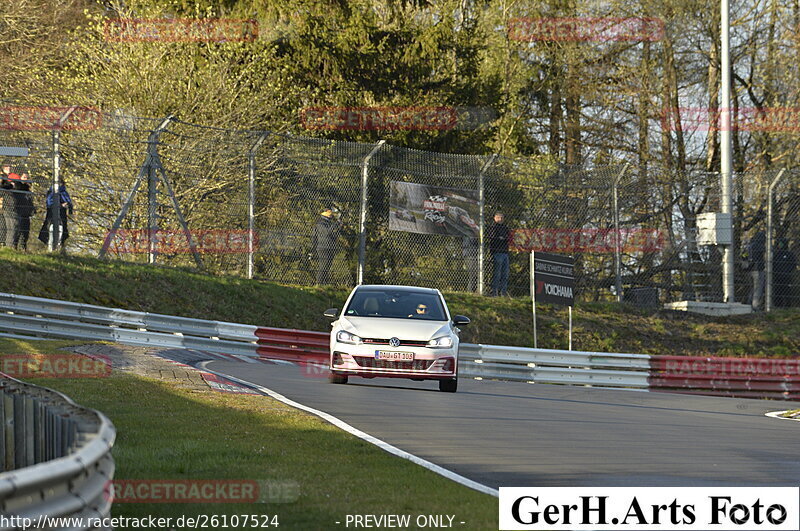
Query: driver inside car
[420, 311]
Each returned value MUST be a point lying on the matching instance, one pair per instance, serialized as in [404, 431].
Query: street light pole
[726, 201]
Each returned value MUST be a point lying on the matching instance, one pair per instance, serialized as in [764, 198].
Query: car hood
[383, 328]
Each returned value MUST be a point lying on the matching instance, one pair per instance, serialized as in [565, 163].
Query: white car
[396, 332]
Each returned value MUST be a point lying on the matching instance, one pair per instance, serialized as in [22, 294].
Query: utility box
[714, 228]
[644, 297]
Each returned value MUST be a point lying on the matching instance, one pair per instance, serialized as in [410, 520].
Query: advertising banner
[433, 209]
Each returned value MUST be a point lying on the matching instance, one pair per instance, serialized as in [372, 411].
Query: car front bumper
[362, 360]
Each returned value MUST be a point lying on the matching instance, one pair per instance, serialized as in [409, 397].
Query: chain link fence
[251, 203]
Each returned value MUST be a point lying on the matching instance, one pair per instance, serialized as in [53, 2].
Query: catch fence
[246, 203]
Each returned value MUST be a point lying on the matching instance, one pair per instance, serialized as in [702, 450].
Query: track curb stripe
[777, 415]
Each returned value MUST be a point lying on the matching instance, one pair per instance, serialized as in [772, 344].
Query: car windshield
[396, 304]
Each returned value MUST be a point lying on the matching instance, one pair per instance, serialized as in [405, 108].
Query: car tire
[337, 378]
[448, 386]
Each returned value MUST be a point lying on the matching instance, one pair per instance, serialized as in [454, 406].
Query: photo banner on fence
[433, 209]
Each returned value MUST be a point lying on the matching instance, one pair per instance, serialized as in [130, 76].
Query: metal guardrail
[493, 362]
[490, 362]
[756, 378]
[63, 310]
[56, 455]
[70, 320]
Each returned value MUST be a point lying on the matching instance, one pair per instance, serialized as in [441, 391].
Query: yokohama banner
[433, 210]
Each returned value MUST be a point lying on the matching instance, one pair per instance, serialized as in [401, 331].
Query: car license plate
[394, 356]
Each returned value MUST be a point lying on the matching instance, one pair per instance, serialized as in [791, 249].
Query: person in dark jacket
[323, 243]
[24, 208]
[65, 203]
[497, 236]
[7, 216]
[783, 267]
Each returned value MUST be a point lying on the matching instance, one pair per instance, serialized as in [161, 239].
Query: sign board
[553, 278]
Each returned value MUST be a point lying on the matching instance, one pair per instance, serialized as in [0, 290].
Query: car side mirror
[460, 320]
[331, 313]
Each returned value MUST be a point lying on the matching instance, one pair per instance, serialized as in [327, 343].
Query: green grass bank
[604, 327]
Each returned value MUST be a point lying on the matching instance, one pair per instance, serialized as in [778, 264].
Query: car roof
[417, 289]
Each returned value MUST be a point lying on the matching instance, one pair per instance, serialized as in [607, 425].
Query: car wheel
[448, 386]
[337, 378]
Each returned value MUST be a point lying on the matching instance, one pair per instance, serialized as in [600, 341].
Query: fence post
[617, 250]
[251, 203]
[482, 221]
[55, 220]
[768, 250]
[152, 211]
[152, 192]
[362, 243]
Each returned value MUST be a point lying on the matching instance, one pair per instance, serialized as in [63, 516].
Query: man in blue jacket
[64, 206]
[497, 237]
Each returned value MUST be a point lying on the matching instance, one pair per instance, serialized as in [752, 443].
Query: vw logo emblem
[394, 342]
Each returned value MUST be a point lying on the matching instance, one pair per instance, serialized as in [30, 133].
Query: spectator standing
[469, 250]
[755, 253]
[5, 176]
[783, 267]
[497, 237]
[6, 173]
[8, 217]
[24, 208]
[65, 204]
[323, 243]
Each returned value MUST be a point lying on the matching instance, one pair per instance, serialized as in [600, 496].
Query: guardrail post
[2, 431]
[482, 221]
[362, 238]
[8, 407]
[57, 431]
[19, 431]
[38, 422]
[50, 431]
[251, 203]
[30, 432]
[768, 250]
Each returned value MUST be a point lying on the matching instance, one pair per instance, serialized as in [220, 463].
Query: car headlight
[441, 342]
[347, 337]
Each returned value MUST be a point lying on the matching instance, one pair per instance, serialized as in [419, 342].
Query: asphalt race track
[516, 434]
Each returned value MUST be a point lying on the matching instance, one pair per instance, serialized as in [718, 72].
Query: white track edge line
[383, 445]
[777, 415]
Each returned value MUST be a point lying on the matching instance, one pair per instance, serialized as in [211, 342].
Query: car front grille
[403, 342]
[372, 363]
